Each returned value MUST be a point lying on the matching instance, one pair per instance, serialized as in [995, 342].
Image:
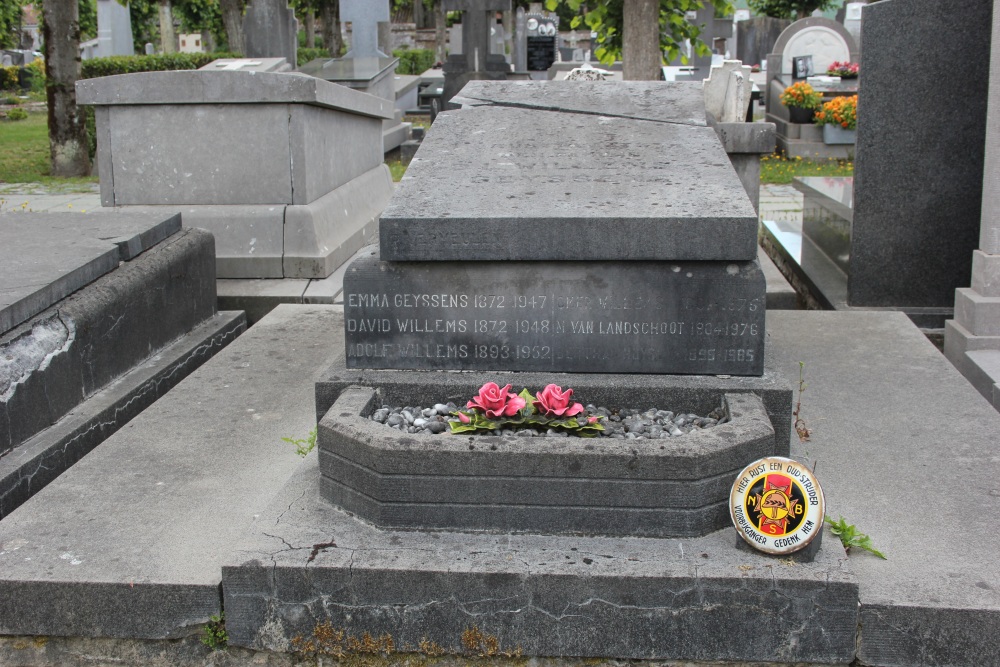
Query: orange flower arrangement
[842, 111]
[800, 95]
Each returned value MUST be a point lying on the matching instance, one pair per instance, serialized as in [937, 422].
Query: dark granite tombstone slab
[588, 317]
[47, 256]
[681, 102]
[918, 178]
[494, 183]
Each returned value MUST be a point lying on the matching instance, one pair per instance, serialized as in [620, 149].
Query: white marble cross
[237, 64]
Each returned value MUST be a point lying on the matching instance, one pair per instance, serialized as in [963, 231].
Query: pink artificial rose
[462, 417]
[554, 401]
[496, 402]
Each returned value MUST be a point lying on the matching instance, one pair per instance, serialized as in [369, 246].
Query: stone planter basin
[676, 487]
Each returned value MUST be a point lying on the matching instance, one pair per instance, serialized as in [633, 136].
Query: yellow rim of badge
[777, 505]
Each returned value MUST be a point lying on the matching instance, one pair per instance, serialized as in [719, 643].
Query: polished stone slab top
[47, 256]
[496, 183]
[228, 87]
[834, 192]
[347, 69]
[661, 101]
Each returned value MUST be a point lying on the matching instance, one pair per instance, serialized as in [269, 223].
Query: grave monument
[902, 232]
[271, 30]
[476, 60]
[296, 202]
[972, 338]
[566, 285]
[365, 67]
[826, 41]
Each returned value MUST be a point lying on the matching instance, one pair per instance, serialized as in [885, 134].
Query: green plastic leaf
[529, 403]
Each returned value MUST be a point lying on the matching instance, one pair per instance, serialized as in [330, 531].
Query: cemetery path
[74, 197]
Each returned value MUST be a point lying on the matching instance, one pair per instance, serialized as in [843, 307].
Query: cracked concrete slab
[680, 102]
[129, 542]
[85, 341]
[693, 599]
[46, 455]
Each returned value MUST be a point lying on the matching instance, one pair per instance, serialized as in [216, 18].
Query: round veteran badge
[777, 505]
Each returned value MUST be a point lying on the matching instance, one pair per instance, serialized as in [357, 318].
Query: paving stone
[140, 557]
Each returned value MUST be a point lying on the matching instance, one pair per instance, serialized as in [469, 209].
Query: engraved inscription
[658, 321]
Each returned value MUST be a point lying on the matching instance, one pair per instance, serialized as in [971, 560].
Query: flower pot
[800, 115]
[835, 134]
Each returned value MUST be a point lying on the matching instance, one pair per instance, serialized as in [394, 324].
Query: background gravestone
[918, 178]
[365, 67]
[475, 61]
[972, 339]
[114, 29]
[756, 37]
[271, 30]
[364, 16]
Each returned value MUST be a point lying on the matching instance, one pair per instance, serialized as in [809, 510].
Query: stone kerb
[648, 488]
[241, 154]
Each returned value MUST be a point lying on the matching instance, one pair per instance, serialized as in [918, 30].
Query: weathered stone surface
[319, 237]
[676, 102]
[47, 454]
[683, 599]
[83, 343]
[140, 557]
[915, 606]
[585, 188]
[918, 185]
[46, 256]
[630, 317]
[201, 87]
[641, 488]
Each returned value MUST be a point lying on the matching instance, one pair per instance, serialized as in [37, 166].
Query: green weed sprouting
[850, 536]
[303, 445]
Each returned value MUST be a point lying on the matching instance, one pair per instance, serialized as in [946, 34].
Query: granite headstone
[918, 179]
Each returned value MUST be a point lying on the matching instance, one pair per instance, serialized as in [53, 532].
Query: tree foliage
[10, 21]
[789, 9]
[604, 17]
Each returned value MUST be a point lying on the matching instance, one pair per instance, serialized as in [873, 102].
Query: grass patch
[397, 168]
[777, 168]
[24, 155]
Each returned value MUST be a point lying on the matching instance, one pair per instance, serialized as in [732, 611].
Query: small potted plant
[845, 70]
[801, 100]
[839, 118]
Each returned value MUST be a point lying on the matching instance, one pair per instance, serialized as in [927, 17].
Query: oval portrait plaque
[777, 505]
